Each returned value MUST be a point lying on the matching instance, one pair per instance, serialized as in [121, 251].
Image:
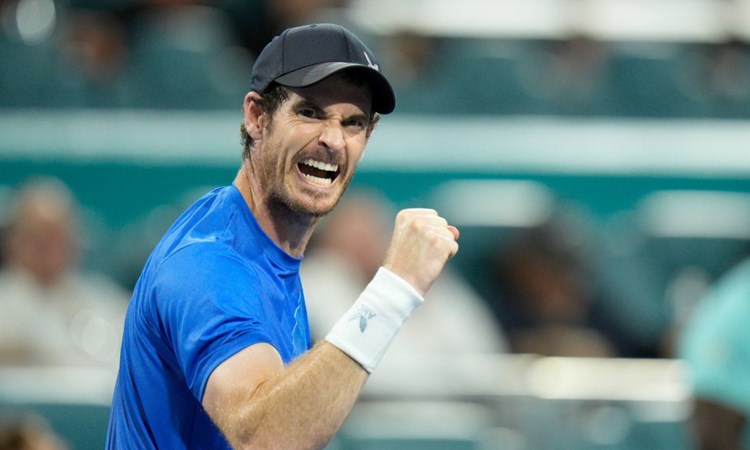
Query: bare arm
[258, 403]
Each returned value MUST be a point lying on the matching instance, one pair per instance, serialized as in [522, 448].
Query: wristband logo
[364, 314]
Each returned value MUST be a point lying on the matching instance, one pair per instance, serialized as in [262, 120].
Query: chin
[309, 206]
[317, 208]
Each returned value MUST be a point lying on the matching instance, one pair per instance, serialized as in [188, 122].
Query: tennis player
[216, 350]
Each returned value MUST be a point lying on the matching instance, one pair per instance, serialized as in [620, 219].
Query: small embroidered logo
[369, 62]
[363, 314]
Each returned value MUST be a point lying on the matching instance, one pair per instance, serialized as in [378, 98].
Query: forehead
[339, 89]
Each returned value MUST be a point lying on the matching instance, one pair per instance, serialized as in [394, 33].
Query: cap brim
[383, 96]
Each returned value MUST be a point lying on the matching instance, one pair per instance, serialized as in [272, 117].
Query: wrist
[367, 329]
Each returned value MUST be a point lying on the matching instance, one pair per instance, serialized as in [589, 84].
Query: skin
[256, 401]
[42, 237]
[716, 426]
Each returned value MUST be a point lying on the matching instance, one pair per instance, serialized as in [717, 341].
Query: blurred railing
[433, 401]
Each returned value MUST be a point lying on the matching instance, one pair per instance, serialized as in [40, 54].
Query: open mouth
[318, 172]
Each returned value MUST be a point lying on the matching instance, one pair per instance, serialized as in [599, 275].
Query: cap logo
[370, 64]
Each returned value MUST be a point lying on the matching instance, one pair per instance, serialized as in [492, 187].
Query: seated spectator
[723, 74]
[28, 433]
[256, 22]
[715, 345]
[52, 312]
[348, 250]
[545, 292]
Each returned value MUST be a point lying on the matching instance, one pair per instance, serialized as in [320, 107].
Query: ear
[372, 125]
[252, 116]
[370, 129]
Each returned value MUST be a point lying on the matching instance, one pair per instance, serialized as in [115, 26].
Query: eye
[356, 123]
[310, 113]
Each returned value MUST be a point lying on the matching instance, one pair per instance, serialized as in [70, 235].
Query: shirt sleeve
[210, 307]
[715, 346]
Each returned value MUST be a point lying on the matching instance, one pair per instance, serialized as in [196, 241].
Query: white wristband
[368, 328]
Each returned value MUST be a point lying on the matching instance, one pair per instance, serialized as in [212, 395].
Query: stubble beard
[281, 200]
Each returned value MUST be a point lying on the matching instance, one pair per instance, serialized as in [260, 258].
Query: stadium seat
[409, 443]
[29, 75]
[82, 426]
[649, 81]
[473, 77]
[415, 425]
[186, 61]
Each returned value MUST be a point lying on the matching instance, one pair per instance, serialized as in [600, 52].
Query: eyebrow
[304, 102]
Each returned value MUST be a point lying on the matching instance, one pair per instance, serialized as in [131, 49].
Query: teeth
[320, 181]
[321, 165]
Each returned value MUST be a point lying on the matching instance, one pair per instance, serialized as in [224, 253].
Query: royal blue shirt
[214, 285]
[715, 343]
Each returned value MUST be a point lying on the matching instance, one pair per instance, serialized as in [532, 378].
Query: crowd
[53, 312]
[184, 54]
[548, 291]
[192, 54]
[545, 290]
[548, 299]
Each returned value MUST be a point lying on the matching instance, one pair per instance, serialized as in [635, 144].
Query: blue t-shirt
[214, 285]
[716, 344]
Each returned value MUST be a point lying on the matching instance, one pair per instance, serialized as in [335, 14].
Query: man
[716, 350]
[216, 349]
[52, 311]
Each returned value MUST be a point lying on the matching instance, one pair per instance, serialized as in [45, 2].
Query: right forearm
[312, 396]
[307, 402]
[303, 406]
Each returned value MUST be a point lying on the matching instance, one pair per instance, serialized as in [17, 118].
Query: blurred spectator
[413, 63]
[546, 292]
[28, 433]
[256, 22]
[348, 250]
[184, 55]
[571, 74]
[408, 56]
[724, 75]
[6, 194]
[53, 313]
[94, 50]
[716, 348]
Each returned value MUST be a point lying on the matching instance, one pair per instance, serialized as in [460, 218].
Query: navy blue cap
[304, 55]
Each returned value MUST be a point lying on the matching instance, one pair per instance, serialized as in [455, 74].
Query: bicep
[231, 385]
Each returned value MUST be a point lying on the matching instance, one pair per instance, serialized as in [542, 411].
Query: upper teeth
[321, 165]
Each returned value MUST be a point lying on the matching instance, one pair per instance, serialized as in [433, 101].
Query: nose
[332, 135]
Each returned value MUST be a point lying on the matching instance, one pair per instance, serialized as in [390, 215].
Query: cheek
[355, 154]
[273, 153]
[357, 142]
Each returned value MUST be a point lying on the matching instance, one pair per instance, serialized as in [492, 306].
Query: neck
[289, 230]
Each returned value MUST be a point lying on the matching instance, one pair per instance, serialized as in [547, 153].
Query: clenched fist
[422, 243]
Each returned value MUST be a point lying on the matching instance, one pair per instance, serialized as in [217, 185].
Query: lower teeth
[320, 181]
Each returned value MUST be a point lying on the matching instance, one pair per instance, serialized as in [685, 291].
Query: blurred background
[595, 155]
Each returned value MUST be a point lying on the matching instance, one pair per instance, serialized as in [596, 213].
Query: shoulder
[737, 280]
[205, 264]
[729, 298]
